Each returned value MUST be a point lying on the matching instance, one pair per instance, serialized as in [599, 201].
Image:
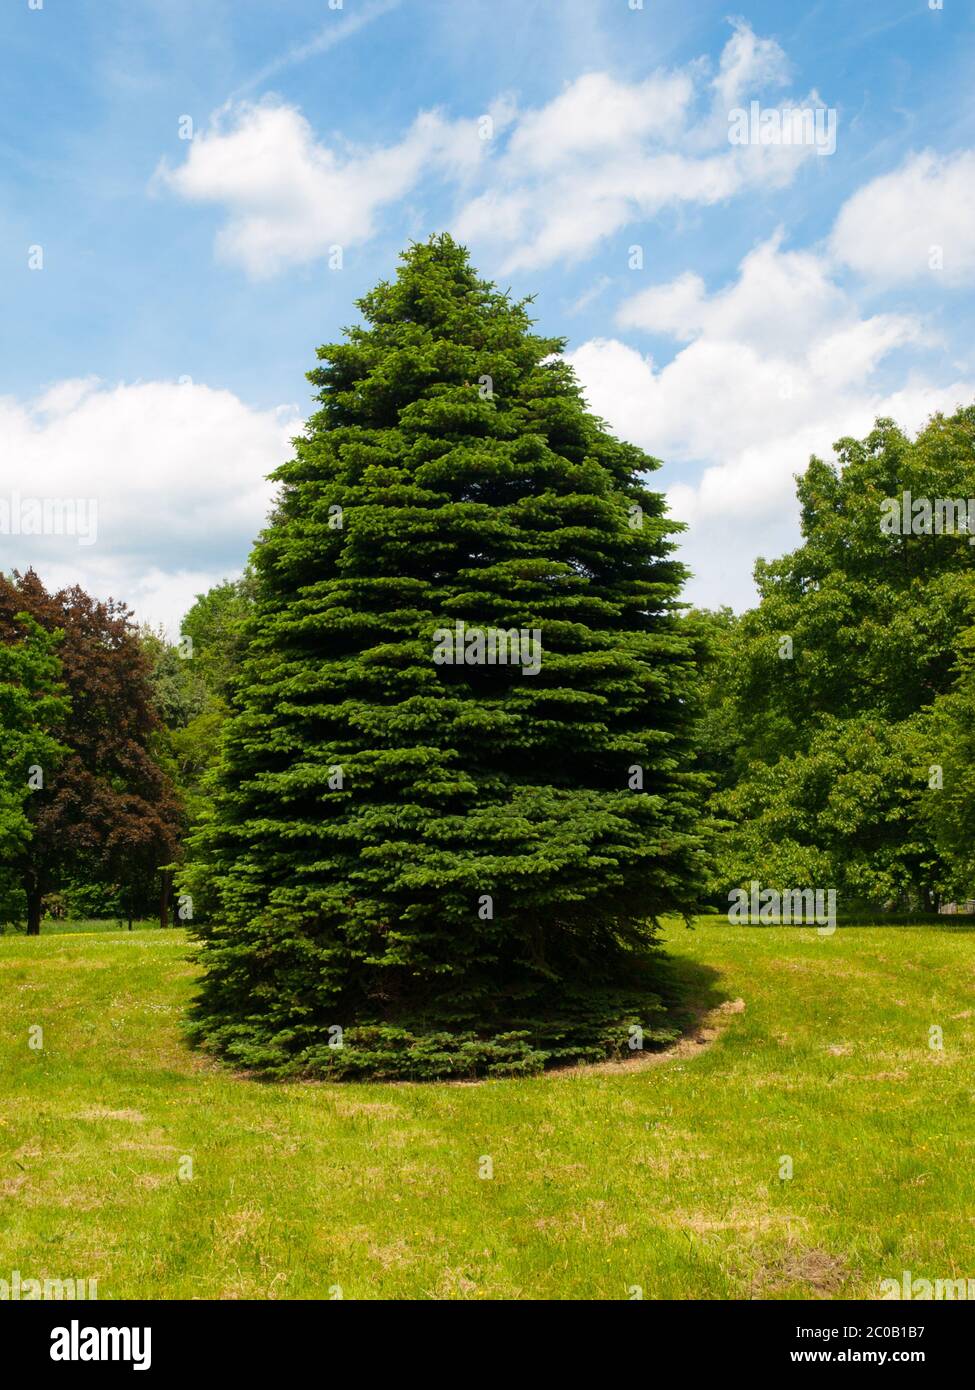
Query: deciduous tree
[108, 807]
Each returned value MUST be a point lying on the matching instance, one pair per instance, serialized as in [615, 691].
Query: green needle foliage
[458, 866]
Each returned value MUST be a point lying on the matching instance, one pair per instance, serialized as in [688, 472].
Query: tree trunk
[167, 884]
[35, 900]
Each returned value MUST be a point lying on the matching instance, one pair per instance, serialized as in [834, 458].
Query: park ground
[127, 1158]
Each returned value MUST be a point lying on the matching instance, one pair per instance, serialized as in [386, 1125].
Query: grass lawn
[662, 1174]
[87, 925]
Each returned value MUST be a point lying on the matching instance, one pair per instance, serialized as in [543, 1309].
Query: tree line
[838, 727]
[106, 734]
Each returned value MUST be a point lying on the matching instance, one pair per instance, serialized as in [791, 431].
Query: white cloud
[548, 184]
[595, 115]
[676, 309]
[776, 366]
[289, 198]
[893, 227]
[748, 62]
[606, 153]
[177, 473]
[780, 302]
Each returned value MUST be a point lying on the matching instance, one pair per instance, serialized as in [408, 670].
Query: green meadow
[127, 1158]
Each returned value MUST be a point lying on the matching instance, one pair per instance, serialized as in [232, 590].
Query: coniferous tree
[451, 867]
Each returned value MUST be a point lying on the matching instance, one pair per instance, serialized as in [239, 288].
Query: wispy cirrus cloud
[339, 28]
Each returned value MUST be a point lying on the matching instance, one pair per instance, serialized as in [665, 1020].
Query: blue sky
[154, 357]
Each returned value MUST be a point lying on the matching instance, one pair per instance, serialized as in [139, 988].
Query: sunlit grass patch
[128, 1158]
